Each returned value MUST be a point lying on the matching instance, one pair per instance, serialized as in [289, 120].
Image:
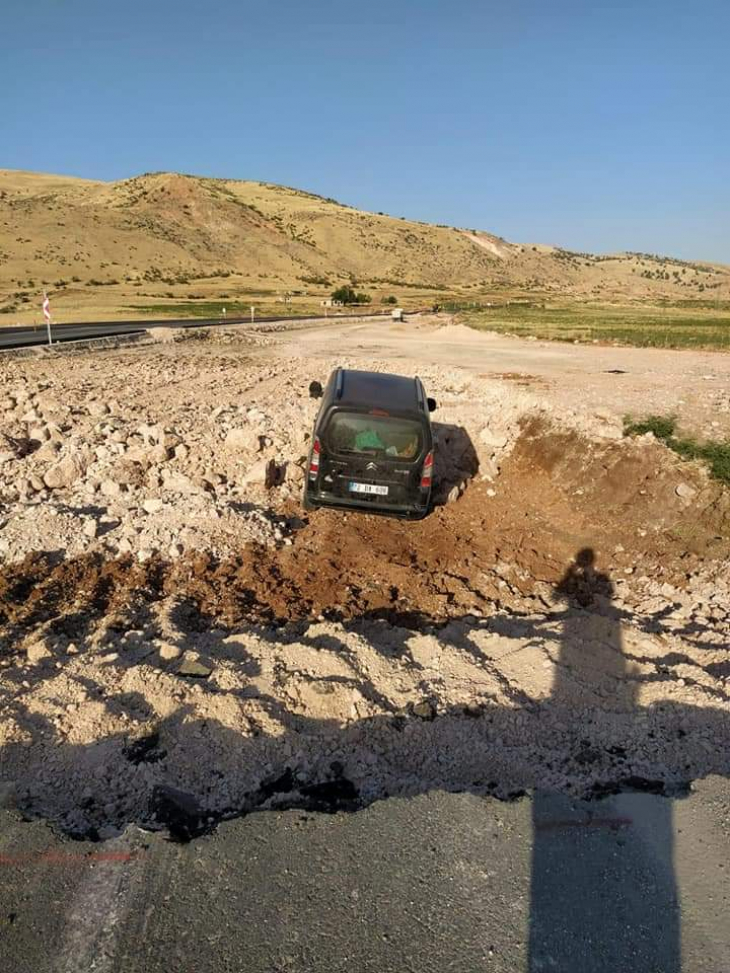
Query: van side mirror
[315, 390]
[431, 403]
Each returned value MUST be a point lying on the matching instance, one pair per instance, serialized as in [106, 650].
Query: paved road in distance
[22, 336]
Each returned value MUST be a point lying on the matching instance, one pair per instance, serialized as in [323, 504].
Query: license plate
[381, 491]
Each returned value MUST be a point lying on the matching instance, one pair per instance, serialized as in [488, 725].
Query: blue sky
[590, 125]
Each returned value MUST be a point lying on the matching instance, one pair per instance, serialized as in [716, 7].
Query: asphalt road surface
[439, 882]
[24, 337]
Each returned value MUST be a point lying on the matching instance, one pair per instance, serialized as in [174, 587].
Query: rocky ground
[180, 642]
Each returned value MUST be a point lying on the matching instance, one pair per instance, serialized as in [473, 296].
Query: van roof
[380, 389]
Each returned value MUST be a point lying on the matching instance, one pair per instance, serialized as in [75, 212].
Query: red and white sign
[46, 308]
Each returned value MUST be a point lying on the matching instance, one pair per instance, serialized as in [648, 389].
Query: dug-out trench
[524, 567]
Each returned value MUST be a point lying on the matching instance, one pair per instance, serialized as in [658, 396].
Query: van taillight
[427, 472]
[314, 459]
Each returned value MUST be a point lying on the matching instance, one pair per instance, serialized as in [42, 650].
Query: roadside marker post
[47, 316]
[253, 310]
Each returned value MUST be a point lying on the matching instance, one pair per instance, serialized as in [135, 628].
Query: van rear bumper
[414, 511]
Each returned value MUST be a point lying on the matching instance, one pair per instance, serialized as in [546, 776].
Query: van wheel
[306, 502]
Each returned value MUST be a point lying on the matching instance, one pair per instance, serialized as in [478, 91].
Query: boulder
[247, 439]
[170, 440]
[37, 651]
[8, 794]
[39, 434]
[194, 668]
[150, 434]
[256, 474]
[49, 406]
[128, 474]
[65, 473]
[490, 436]
[178, 482]
[203, 485]
[55, 432]
[110, 488]
[685, 491]
[98, 409]
[140, 455]
[48, 452]
[488, 469]
[425, 710]
[159, 454]
[265, 473]
[294, 474]
[168, 651]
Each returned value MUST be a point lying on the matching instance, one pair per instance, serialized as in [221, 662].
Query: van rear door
[373, 457]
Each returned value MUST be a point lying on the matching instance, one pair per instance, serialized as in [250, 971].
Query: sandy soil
[580, 380]
[180, 643]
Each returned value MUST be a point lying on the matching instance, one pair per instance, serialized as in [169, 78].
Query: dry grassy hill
[158, 242]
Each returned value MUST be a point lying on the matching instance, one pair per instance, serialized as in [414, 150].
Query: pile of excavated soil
[504, 547]
[560, 620]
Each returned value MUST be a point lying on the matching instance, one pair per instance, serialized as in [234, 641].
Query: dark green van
[372, 448]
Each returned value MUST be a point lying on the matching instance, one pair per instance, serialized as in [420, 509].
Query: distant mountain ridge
[176, 235]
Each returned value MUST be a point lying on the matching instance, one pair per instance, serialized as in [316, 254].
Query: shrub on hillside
[347, 295]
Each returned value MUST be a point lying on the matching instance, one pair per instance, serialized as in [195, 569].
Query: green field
[716, 455]
[646, 327]
[234, 309]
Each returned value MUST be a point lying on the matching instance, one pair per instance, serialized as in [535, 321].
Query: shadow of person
[582, 581]
[603, 893]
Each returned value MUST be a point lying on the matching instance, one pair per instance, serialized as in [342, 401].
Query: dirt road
[581, 377]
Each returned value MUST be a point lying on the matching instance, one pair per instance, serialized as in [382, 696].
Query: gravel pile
[181, 460]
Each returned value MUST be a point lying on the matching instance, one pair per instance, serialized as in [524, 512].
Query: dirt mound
[495, 548]
[454, 333]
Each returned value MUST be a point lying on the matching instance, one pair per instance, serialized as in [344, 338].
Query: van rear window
[355, 432]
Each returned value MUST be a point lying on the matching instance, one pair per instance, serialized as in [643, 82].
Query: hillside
[158, 242]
